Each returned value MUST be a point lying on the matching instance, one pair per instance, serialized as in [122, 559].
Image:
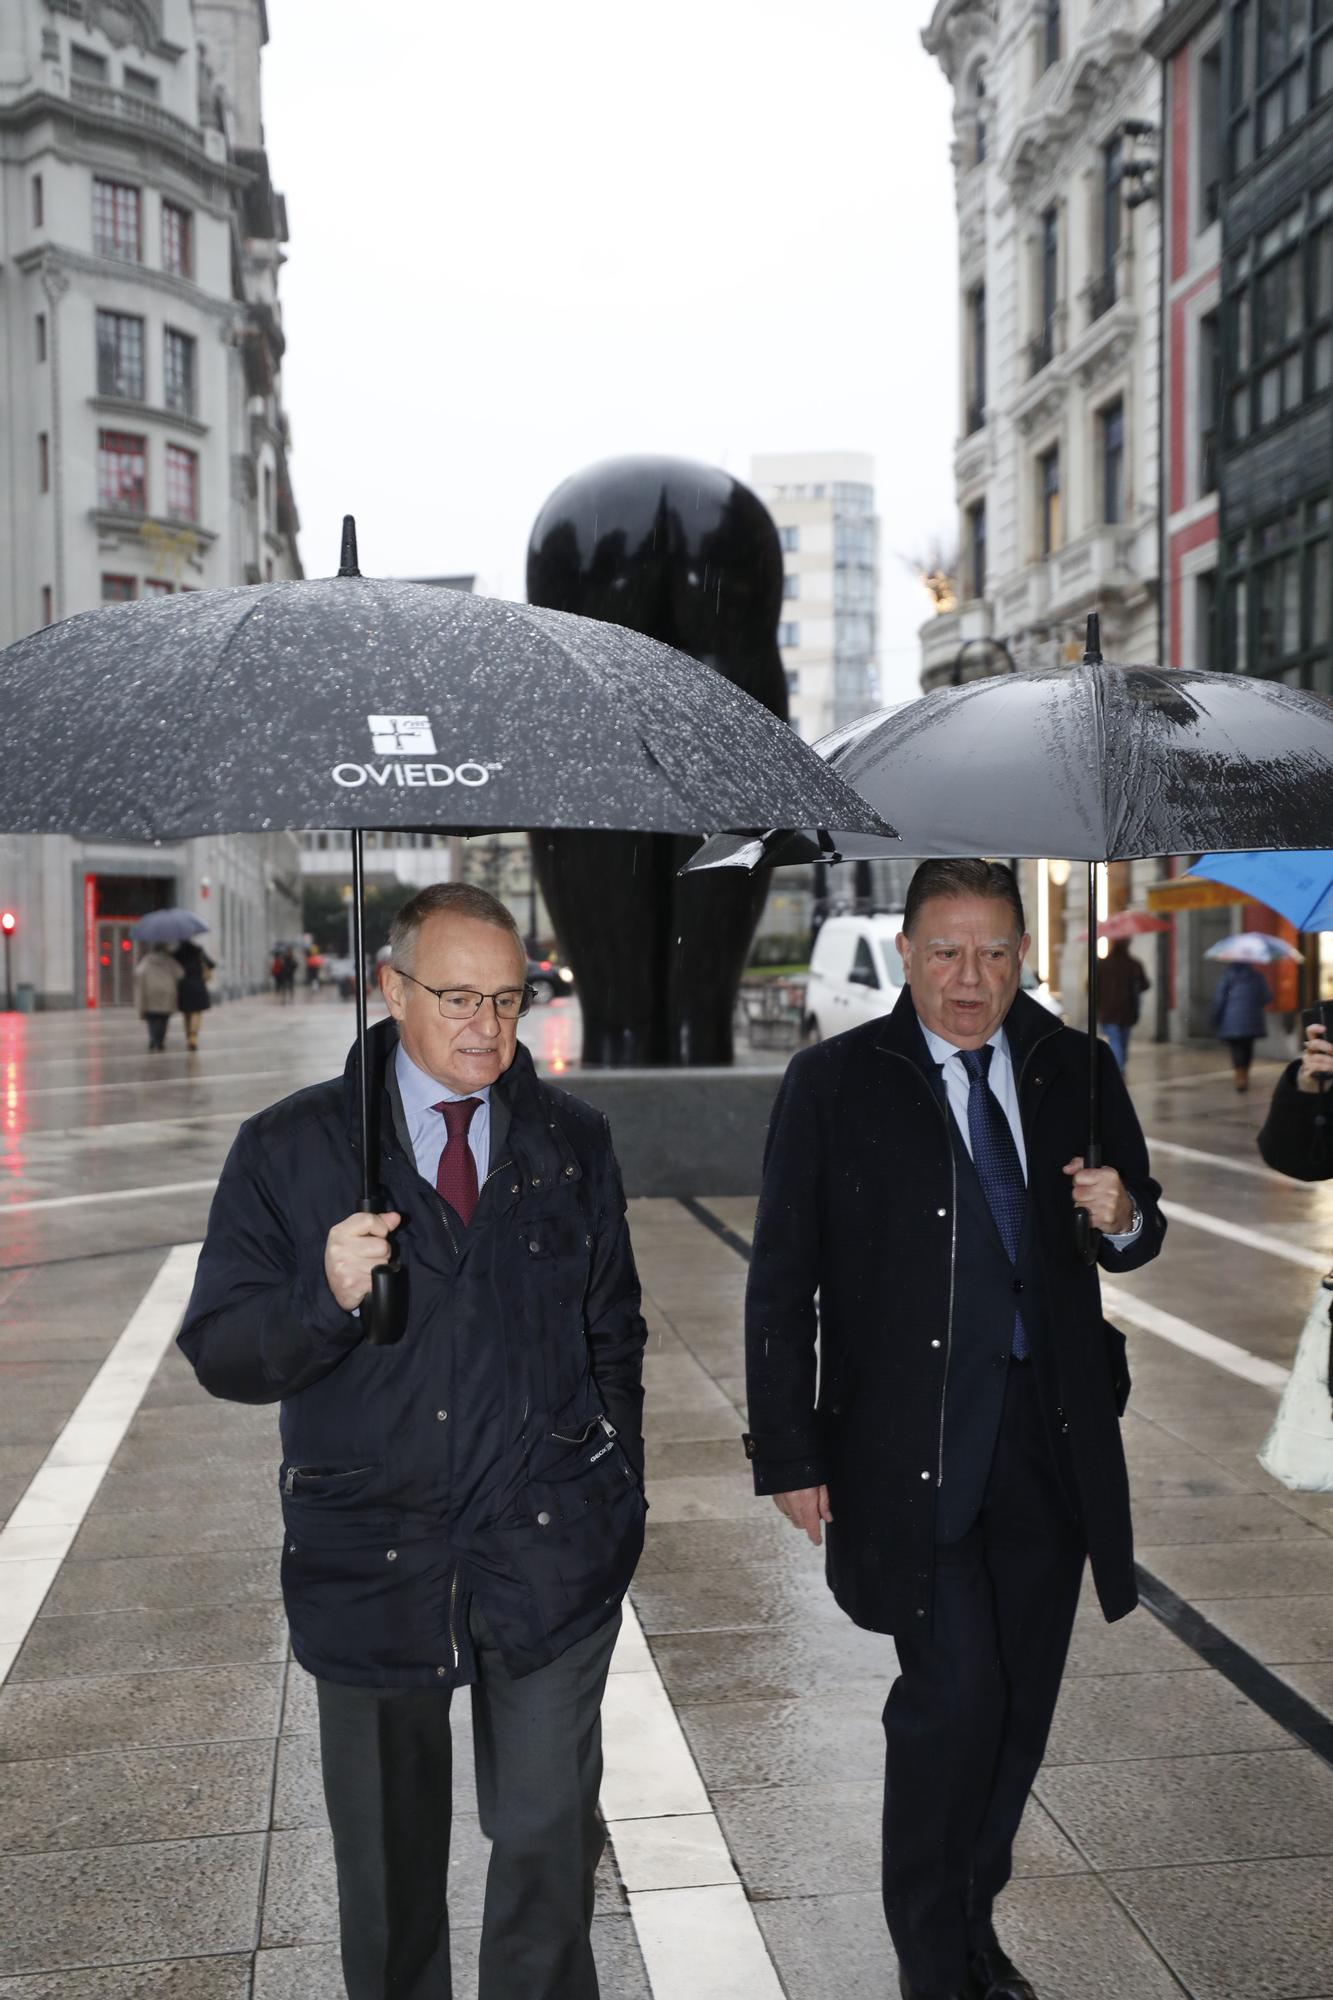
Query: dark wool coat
[860, 1207]
[1296, 1138]
[1240, 1004]
[497, 1448]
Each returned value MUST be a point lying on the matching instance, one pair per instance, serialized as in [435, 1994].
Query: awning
[1187, 892]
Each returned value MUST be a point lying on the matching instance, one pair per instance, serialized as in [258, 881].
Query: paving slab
[165, 1979]
[135, 1641]
[1167, 1810]
[1103, 1718]
[55, 1718]
[114, 1798]
[1255, 1930]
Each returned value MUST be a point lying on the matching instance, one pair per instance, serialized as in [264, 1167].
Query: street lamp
[8, 926]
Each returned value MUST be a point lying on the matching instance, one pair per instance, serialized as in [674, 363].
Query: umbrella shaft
[359, 986]
[1093, 1157]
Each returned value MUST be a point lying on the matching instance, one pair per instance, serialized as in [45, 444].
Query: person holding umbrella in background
[1297, 1140]
[193, 997]
[157, 979]
[1238, 1011]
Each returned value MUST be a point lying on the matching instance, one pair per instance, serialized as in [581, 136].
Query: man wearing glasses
[464, 1507]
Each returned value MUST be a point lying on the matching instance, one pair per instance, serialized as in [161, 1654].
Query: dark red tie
[456, 1175]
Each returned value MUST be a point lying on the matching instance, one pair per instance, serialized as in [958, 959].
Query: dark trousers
[966, 1722]
[157, 1030]
[1242, 1050]
[387, 1756]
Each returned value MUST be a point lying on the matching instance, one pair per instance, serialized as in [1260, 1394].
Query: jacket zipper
[295, 1472]
[453, 1600]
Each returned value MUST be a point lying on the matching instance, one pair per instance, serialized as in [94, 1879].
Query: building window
[48, 610]
[1279, 316]
[981, 138]
[1048, 500]
[120, 356]
[1103, 289]
[1205, 659]
[976, 549]
[976, 358]
[155, 587]
[1280, 598]
[178, 372]
[793, 681]
[39, 336]
[1051, 34]
[1281, 62]
[1210, 391]
[43, 462]
[789, 633]
[86, 66]
[118, 589]
[791, 585]
[138, 82]
[1111, 450]
[182, 484]
[790, 538]
[177, 240]
[38, 208]
[122, 472]
[1041, 348]
[116, 220]
[1210, 134]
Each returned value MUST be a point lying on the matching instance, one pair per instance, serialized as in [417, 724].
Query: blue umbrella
[167, 927]
[1298, 886]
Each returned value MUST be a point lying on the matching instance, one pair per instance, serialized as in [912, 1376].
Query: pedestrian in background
[1121, 984]
[157, 979]
[1238, 1015]
[464, 1508]
[196, 970]
[957, 1430]
[1296, 1140]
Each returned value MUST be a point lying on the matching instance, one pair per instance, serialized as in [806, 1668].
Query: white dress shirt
[425, 1125]
[1004, 1085]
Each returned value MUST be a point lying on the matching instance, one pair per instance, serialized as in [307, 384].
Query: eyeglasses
[460, 1003]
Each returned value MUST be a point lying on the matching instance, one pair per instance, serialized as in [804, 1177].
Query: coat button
[934, 1343]
[291, 1548]
[536, 1180]
[925, 1475]
[941, 1211]
[1018, 1284]
[440, 1416]
[391, 1555]
[543, 1519]
[920, 1610]
[441, 1671]
[534, 1246]
[515, 1187]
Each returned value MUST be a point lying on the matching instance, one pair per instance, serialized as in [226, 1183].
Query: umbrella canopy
[1127, 924]
[1253, 948]
[167, 927]
[1093, 763]
[356, 703]
[1298, 886]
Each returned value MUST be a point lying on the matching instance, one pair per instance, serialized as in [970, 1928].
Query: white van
[855, 975]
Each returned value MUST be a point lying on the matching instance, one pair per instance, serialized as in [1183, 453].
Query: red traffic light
[8, 922]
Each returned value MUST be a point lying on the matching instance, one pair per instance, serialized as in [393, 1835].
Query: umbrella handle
[384, 1308]
[1087, 1240]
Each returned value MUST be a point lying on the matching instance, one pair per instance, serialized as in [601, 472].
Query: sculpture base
[683, 1131]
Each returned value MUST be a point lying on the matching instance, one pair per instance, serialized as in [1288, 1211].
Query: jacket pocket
[1117, 1360]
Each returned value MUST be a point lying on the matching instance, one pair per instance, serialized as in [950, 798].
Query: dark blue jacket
[863, 1206]
[497, 1448]
[1240, 1002]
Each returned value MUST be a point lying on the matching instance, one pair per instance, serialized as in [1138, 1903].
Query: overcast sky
[528, 236]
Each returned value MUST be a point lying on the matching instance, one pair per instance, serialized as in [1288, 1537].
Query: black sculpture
[686, 554]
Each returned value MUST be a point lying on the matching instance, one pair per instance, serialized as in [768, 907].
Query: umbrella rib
[216, 668]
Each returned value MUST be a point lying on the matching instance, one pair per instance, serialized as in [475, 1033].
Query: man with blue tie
[463, 1508]
[914, 1253]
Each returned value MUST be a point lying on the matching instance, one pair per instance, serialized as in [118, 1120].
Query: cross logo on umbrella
[391, 733]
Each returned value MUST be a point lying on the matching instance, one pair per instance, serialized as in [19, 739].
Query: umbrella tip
[347, 562]
[1092, 650]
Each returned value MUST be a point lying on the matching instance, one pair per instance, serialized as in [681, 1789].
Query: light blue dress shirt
[1003, 1084]
[425, 1125]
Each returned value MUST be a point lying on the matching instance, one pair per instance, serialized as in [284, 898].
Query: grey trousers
[388, 1765]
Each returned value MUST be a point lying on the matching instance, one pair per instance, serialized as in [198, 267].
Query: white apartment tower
[1057, 131]
[823, 504]
[143, 445]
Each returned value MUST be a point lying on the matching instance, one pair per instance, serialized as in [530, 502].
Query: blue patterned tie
[999, 1169]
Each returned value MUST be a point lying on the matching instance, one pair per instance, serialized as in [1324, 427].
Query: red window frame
[182, 483]
[118, 589]
[117, 220]
[122, 472]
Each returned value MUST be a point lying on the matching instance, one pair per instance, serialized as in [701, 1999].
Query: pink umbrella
[1128, 923]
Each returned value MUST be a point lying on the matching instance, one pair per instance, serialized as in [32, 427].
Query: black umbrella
[1094, 763]
[356, 703]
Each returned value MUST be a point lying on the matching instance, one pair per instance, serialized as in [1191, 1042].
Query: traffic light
[9, 923]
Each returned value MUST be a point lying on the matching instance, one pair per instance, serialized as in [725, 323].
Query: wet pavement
[161, 1825]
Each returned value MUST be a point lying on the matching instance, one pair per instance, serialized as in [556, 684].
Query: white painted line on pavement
[1194, 1339]
[695, 1926]
[1253, 1239]
[1253, 1169]
[37, 1537]
[109, 1194]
